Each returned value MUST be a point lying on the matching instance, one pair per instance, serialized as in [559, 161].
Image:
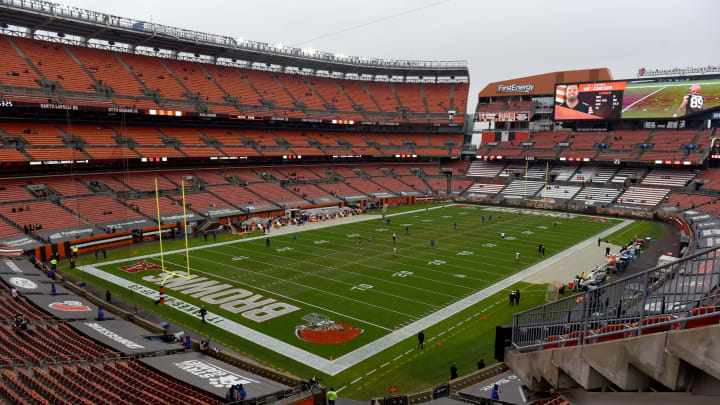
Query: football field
[658, 100]
[336, 291]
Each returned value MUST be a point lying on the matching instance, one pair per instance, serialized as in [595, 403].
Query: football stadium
[192, 218]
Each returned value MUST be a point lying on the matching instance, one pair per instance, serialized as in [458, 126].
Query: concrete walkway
[565, 269]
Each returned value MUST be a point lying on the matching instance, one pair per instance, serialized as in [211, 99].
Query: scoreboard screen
[715, 148]
[657, 98]
[589, 100]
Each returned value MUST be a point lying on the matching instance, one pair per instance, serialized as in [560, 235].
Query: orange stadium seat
[153, 75]
[56, 64]
[15, 71]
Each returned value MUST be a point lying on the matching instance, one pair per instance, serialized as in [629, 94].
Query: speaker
[503, 339]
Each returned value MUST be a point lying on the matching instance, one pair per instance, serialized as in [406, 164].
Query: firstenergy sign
[515, 88]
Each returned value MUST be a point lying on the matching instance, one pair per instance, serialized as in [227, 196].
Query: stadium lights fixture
[309, 51]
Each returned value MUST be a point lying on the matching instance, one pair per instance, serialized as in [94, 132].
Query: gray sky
[499, 39]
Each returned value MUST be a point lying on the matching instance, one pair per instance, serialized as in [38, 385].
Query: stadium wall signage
[515, 88]
[235, 300]
[690, 70]
[113, 336]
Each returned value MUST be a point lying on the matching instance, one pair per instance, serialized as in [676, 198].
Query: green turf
[328, 278]
[663, 99]
[641, 229]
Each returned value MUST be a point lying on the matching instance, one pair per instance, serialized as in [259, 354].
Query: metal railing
[79, 14]
[676, 295]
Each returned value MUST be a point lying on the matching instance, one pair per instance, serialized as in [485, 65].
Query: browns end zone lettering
[515, 88]
[232, 299]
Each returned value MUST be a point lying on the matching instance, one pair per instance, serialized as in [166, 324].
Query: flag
[560, 94]
[439, 343]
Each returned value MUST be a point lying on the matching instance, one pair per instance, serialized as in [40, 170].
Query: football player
[572, 102]
[693, 101]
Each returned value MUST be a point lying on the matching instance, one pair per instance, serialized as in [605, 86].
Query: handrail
[664, 297]
[55, 10]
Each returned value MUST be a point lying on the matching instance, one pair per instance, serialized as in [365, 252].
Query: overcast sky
[499, 39]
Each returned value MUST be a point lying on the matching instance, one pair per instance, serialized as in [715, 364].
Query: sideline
[372, 348]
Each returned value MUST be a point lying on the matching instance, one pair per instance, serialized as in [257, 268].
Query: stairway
[373, 98]
[72, 55]
[27, 60]
[122, 62]
[397, 97]
[631, 364]
[422, 91]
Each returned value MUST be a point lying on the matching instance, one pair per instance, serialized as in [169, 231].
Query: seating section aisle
[627, 140]
[480, 168]
[624, 174]
[559, 192]
[45, 213]
[643, 196]
[668, 177]
[486, 188]
[7, 231]
[523, 188]
[99, 209]
[687, 200]
[593, 174]
[712, 176]
[11, 190]
[601, 195]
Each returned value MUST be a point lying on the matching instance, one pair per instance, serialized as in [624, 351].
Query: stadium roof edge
[48, 16]
[543, 84]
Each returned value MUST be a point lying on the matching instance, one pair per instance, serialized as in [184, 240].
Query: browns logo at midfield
[321, 329]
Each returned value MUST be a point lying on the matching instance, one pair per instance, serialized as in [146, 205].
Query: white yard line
[639, 100]
[341, 388]
[372, 348]
[276, 232]
[290, 298]
[348, 360]
[355, 380]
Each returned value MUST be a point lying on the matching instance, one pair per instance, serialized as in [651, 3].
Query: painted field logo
[141, 266]
[23, 283]
[603, 220]
[70, 306]
[321, 329]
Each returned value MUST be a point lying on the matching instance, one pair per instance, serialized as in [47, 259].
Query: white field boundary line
[632, 86]
[277, 232]
[350, 359]
[641, 99]
[221, 322]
